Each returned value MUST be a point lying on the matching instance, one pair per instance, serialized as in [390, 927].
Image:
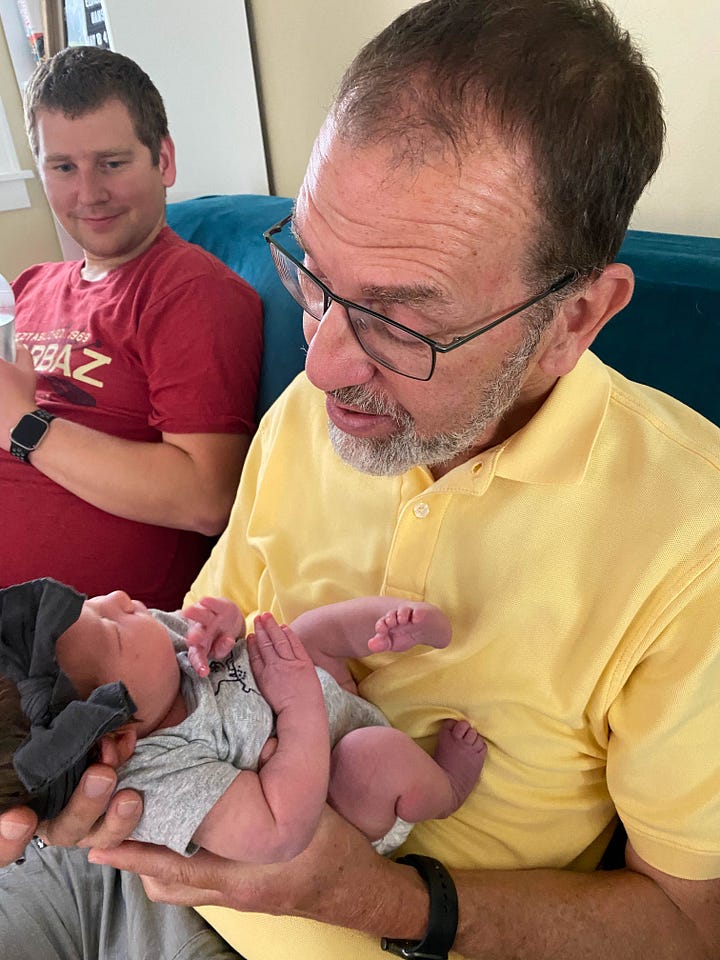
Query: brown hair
[78, 80]
[14, 729]
[559, 78]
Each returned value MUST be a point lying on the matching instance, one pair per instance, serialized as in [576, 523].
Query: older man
[459, 222]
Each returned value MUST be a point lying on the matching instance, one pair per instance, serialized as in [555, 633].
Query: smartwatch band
[442, 925]
[20, 449]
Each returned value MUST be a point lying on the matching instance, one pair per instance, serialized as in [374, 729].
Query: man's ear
[117, 747]
[166, 161]
[579, 319]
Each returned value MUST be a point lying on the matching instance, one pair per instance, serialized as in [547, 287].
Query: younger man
[127, 419]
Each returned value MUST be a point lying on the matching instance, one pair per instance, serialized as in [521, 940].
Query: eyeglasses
[384, 340]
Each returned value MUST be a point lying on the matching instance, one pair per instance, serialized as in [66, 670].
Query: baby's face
[116, 638]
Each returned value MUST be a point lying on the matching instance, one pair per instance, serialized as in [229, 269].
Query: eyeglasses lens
[388, 345]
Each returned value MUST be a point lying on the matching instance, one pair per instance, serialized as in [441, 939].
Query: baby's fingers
[199, 612]
[199, 661]
[222, 647]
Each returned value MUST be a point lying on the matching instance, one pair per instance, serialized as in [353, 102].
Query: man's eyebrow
[412, 293]
[100, 155]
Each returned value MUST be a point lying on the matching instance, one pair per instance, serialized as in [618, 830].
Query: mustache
[368, 401]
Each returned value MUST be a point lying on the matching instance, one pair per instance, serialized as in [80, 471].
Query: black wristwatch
[442, 925]
[28, 433]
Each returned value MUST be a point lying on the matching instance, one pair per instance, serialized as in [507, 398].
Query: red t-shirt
[168, 342]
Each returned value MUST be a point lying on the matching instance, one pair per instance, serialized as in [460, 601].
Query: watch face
[29, 431]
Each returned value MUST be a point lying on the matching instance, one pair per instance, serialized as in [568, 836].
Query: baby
[236, 745]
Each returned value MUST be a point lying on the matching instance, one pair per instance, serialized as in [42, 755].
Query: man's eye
[367, 324]
[114, 164]
[394, 333]
[63, 167]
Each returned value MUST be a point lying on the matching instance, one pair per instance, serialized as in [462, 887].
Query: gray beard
[404, 449]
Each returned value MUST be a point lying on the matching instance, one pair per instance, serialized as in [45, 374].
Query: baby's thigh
[377, 761]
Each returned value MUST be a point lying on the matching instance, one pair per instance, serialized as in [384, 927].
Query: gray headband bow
[64, 729]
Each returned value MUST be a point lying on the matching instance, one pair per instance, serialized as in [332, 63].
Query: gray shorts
[57, 906]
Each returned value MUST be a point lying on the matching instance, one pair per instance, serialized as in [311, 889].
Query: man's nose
[91, 188]
[334, 358]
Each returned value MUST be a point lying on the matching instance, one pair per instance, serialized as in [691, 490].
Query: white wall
[681, 41]
[198, 56]
[304, 45]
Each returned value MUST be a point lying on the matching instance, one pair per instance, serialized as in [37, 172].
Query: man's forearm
[504, 914]
[533, 915]
[561, 915]
[158, 483]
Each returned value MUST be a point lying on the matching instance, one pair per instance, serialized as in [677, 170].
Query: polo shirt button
[421, 510]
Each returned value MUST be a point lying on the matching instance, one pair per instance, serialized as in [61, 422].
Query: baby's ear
[117, 747]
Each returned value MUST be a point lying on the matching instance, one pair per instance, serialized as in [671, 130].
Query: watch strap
[443, 921]
[19, 450]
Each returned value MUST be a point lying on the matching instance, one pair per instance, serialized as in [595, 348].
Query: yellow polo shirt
[578, 563]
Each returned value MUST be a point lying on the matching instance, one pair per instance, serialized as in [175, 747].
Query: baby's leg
[409, 624]
[378, 774]
[316, 635]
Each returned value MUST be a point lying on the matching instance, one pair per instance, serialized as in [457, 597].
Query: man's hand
[17, 826]
[338, 879]
[91, 818]
[218, 623]
[17, 392]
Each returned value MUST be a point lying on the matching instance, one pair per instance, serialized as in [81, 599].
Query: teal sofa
[668, 336]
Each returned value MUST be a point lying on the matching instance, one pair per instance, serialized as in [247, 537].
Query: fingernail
[129, 808]
[11, 830]
[95, 786]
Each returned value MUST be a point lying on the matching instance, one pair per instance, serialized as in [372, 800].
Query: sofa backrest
[668, 336]
[232, 227]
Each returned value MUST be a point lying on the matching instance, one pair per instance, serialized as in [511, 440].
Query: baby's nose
[120, 599]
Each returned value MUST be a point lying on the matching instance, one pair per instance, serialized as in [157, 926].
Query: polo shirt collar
[556, 444]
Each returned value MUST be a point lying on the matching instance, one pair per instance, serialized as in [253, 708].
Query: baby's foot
[408, 625]
[461, 752]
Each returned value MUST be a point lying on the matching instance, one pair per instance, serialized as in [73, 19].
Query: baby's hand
[218, 624]
[281, 665]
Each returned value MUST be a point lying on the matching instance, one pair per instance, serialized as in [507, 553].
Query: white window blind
[13, 193]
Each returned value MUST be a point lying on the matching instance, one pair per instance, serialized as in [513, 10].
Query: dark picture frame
[70, 22]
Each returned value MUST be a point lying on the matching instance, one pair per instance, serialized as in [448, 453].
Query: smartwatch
[442, 926]
[28, 433]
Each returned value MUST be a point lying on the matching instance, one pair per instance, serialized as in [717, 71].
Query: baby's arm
[355, 628]
[272, 815]
[217, 624]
